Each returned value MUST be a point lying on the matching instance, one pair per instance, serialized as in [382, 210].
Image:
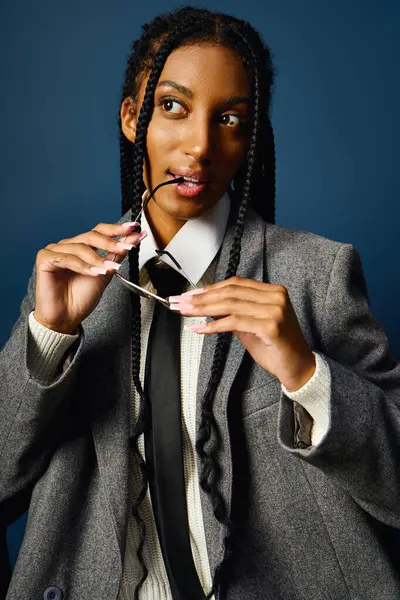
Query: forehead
[207, 67]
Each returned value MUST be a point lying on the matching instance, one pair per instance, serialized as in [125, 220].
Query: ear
[128, 116]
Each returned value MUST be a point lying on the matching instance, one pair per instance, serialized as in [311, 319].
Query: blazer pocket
[258, 398]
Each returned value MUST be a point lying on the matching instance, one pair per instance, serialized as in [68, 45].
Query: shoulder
[301, 255]
[288, 241]
[297, 243]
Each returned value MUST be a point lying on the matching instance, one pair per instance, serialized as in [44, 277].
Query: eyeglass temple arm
[161, 252]
[145, 203]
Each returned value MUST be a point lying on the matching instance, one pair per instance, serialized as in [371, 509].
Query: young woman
[254, 452]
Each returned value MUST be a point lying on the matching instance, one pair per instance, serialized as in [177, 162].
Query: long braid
[141, 423]
[126, 149]
[265, 186]
[209, 470]
[149, 55]
[134, 185]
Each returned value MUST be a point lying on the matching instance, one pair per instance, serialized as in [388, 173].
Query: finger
[110, 230]
[116, 229]
[234, 293]
[80, 259]
[246, 282]
[237, 282]
[232, 306]
[266, 330]
[100, 241]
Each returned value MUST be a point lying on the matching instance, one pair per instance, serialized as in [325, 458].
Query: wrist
[297, 378]
[59, 327]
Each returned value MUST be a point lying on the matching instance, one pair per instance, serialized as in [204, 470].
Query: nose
[198, 139]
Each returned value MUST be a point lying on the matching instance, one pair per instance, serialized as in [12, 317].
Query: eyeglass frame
[137, 289]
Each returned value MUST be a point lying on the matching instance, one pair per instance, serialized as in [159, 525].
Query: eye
[232, 120]
[171, 106]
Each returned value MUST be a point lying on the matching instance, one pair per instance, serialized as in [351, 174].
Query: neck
[163, 227]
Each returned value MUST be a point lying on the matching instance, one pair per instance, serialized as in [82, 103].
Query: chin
[184, 208]
[187, 213]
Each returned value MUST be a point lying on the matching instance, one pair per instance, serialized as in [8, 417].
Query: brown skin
[67, 291]
[262, 317]
[197, 130]
[202, 132]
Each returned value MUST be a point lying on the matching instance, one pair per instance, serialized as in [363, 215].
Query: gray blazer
[313, 523]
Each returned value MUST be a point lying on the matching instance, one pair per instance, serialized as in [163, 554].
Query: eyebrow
[186, 92]
[181, 88]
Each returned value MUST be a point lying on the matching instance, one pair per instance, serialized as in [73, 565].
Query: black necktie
[163, 443]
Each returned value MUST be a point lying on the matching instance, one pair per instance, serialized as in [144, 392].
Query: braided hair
[253, 185]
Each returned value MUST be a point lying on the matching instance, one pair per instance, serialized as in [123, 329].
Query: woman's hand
[262, 317]
[71, 276]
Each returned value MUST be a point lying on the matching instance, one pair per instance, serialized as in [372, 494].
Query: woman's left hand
[262, 317]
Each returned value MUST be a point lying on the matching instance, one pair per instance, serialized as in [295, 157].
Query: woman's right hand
[71, 276]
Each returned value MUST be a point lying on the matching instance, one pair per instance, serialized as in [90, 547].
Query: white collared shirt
[195, 245]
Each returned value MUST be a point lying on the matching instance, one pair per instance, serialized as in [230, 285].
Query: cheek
[160, 140]
[235, 155]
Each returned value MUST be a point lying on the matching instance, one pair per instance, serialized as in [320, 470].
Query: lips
[194, 183]
[190, 175]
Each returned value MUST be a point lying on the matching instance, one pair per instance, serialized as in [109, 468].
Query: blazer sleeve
[32, 413]
[361, 450]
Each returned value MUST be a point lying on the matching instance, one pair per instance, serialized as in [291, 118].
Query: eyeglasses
[136, 289]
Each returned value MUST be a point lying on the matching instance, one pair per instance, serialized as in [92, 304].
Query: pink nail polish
[130, 224]
[181, 307]
[142, 235]
[193, 292]
[177, 299]
[112, 265]
[98, 270]
[197, 328]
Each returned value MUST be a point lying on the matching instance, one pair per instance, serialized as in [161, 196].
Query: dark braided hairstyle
[253, 185]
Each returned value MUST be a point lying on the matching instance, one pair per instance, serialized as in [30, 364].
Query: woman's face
[199, 129]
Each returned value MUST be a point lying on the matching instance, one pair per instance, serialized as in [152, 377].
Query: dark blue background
[335, 115]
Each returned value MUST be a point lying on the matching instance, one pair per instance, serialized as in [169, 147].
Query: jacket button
[52, 593]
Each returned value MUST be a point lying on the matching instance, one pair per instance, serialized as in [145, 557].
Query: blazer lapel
[251, 266]
[108, 343]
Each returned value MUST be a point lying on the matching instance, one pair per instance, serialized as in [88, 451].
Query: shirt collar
[196, 243]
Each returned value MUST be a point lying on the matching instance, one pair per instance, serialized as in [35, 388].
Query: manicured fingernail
[177, 299]
[112, 265]
[98, 270]
[186, 295]
[193, 292]
[181, 306]
[142, 235]
[124, 245]
[196, 328]
[131, 224]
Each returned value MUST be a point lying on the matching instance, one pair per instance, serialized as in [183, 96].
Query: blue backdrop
[335, 115]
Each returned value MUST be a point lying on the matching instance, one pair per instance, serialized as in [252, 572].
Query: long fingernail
[142, 235]
[124, 245]
[177, 299]
[112, 265]
[98, 270]
[186, 295]
[181, 306]
[196, 328]
[130, 224]
[193, 292]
